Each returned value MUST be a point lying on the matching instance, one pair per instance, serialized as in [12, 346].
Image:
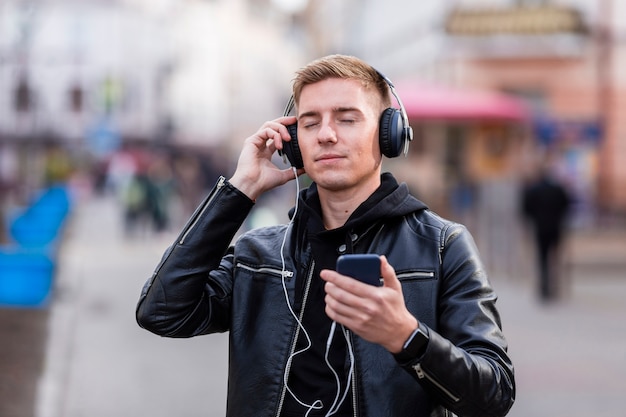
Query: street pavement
[570, 355]
[100, 363]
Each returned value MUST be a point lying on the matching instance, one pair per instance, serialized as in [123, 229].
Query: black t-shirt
[311, 379]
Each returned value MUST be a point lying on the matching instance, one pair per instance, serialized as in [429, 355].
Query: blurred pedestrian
[190, 183]
[160, 186]
[546, 203]
[306, 340]
[135, 206]
[58, 165]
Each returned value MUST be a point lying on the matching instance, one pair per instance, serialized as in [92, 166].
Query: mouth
[328, 158]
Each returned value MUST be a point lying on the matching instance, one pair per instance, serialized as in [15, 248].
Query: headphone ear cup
[390, 133]
[291, 149]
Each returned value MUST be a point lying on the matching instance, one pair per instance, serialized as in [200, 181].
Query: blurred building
[485, 81]
[457, 62]
[562, 60]
[140, 69]
[71, 69]
[87, 77]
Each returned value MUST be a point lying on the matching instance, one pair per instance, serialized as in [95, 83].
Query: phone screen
[363, 267]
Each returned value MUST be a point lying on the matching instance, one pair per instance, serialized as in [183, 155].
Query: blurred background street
[117, 117]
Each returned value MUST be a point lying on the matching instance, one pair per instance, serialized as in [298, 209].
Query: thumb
[291, 174]
[389, 274]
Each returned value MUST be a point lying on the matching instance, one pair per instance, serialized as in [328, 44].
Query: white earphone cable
[317, 404]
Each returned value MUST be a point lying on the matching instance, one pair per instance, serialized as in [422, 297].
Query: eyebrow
[314, 113]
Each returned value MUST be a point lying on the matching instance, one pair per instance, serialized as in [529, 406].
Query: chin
[331, 181]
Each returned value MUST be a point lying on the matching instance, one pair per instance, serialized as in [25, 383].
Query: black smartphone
[364, 267]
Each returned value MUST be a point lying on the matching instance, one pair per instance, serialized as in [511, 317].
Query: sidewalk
[99, 362]
[570, 356]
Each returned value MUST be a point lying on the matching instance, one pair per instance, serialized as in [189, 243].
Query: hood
[388, 201]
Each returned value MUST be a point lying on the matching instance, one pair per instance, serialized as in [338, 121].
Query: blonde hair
[345, 67]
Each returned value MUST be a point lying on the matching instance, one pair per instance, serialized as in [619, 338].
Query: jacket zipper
[421, 374]
[199, 212]
[273, 271]
[418, 274]
[218, 187]
[354, 404]
[295, 339]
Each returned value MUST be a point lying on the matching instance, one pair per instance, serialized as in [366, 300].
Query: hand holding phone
[363, 267]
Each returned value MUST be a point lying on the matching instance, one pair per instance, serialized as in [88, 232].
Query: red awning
[434, 102]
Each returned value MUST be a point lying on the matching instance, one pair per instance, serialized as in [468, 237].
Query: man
[304, 339]
[546, 203]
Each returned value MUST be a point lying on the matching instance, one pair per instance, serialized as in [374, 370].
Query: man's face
[338, 134]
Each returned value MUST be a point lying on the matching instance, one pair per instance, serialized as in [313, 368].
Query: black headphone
[394, 136]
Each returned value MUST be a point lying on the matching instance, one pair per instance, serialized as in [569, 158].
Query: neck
[338, 206]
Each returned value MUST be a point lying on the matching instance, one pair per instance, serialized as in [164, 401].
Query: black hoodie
[311, 378]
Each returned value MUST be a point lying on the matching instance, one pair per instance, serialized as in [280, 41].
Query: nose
[326, 133]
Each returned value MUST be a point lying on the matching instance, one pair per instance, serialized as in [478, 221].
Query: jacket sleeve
[189, 292]
[465, 364]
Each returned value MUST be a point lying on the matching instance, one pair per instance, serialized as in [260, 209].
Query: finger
[351, 290]
[271, 136]
[280, 126]
[271, 133]
[286, 120]
[339, 311]
[350, 298]
[356, 315]
[288, 175]
[388, 273]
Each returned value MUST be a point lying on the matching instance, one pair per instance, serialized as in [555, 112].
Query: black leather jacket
[203, 285]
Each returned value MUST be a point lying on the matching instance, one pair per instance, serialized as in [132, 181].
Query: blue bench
[27, 264]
